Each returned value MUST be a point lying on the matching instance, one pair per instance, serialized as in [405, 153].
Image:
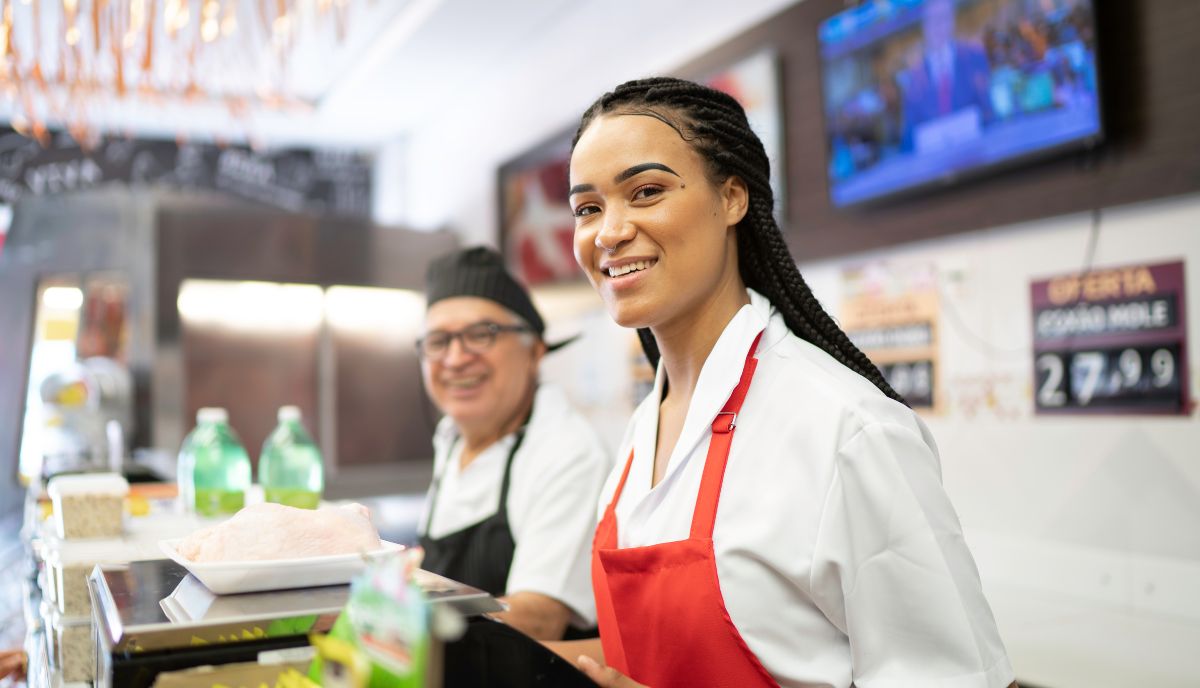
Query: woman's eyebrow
[627, 174]
[580, 188]
[638, 169]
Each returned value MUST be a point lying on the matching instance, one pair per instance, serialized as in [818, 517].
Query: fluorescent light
[398, 312]
[63, 298]
[251, 306]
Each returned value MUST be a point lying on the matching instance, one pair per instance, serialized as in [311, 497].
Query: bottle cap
[212, 414]
[289, 413]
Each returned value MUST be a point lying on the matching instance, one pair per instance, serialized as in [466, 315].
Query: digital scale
[153, 616]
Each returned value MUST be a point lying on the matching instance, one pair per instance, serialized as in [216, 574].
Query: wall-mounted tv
[919, 93]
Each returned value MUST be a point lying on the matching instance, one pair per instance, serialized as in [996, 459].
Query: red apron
[662, 617]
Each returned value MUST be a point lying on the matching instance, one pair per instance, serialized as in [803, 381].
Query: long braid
[715, 125]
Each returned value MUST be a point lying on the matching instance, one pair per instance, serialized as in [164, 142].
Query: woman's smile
[627, 273]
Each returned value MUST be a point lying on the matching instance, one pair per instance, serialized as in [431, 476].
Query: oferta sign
[1111, 341]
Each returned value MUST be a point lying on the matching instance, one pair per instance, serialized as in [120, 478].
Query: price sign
[890, 311]
[1146, 377]
[1111, 341]
[912, 380]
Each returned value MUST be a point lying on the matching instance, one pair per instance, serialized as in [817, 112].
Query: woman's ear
[736, 199]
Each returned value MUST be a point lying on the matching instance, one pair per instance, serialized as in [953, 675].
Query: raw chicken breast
[274, 531]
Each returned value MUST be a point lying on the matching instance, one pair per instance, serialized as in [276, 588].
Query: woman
[777, 514]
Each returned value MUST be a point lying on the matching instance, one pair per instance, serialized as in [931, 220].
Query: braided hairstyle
[715, 125]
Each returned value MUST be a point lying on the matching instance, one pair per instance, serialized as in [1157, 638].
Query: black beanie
[479, 271]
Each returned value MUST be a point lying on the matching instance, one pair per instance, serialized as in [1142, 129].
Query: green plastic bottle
[290, 468]
[220, 466]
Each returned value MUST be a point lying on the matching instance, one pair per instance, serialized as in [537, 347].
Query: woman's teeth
[630, 267]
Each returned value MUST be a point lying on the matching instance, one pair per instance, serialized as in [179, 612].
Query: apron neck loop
[705, 515]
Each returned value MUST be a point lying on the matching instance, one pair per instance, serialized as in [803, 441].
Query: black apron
[480, 554]
[491, 654]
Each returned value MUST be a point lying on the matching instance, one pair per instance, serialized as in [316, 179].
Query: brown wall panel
[382, 415]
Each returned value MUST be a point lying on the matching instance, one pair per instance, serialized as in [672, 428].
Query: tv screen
[923, 92]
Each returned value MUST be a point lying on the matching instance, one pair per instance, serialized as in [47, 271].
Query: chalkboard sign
[319, 181]
[1111, 341]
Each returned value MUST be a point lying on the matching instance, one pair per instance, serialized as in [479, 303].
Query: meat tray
[230, 577]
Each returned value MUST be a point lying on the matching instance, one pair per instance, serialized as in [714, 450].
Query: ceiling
[402, 64]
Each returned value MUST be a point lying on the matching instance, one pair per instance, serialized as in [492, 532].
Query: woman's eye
[583, 210]
[647, 192]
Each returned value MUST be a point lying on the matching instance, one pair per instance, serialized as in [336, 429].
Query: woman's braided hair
[715, 125]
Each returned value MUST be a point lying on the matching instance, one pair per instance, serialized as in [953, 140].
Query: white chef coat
[839, 555]
[556, 476]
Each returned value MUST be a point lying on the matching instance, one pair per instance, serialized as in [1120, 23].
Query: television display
[923, 92]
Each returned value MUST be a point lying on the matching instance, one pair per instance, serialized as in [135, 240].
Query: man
[946, 92]
[517, 472]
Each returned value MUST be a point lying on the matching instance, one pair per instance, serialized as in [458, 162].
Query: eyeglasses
[476, 338]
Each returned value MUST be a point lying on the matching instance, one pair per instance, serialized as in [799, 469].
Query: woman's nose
[617, 229]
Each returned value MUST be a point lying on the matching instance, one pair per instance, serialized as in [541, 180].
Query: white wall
[1124, 483]
[390, 188]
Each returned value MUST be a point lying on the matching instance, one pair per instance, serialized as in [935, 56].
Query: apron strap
[612, 504]
[723, 425]
[501, 508]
